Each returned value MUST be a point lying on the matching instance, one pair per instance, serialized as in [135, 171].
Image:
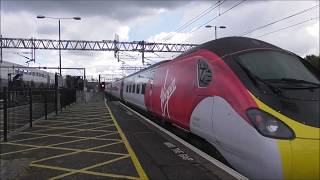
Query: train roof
[221, 47]
[229, 45]
[145, 69]
[11, 65]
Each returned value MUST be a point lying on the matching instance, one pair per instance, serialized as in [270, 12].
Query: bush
[314, 60]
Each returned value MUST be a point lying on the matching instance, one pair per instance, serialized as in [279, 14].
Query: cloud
[175, 37]
[249, 15]
[313, 30]
[101, 20]
[119, 10]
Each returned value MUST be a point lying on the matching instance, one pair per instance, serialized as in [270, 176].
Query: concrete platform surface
[93, 141]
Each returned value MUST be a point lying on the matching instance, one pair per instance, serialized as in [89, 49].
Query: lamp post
[59, 19]
[215, 29]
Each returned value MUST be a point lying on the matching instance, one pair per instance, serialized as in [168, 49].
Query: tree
[314, 60]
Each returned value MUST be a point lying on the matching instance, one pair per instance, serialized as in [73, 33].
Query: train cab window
[204, 74]
[133, 88]
[143, 88]
[138, 89]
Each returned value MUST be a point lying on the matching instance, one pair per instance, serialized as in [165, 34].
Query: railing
[19, 108]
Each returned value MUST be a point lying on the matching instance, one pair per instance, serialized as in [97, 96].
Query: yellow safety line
[97, 128]
[45, 130]
[106, 134]
[109, 132]
[24, 150]
[68, 142]
[51, 167]
[40, 136]
[95, 123]
[90, 167]
[61, 148]
[63, 136]
[92, 129]
[54, 123]
[133, 156]
[70, 153]
[110, 175]
[83, 172]
[50, 127]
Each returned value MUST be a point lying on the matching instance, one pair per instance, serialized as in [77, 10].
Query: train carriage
[30, 76]
[258, 104]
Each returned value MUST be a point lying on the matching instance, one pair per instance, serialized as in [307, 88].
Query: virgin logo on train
[166, 92]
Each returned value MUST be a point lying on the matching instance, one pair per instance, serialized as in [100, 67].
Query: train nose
[303, 160]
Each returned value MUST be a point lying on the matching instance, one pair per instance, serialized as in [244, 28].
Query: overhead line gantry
[84, 45]
[105, 45]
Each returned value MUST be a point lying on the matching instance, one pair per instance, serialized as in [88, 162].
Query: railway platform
[100, 140]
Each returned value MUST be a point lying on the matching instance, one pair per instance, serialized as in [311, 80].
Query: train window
[130, 88]
[133, 88]
[204, 74]
[138, 88]
[127, 88]
[143, 88]
[277, 67]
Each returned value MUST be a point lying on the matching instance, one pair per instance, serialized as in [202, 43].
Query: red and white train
[256, 103]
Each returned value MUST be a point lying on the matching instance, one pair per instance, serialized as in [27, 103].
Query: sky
[154, 21]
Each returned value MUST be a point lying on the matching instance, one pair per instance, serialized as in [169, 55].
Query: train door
[121, 90]
[149, 91]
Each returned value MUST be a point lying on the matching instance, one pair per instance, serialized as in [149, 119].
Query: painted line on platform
[84, 170]
[34, 147]
[191, 147]
[133, 156]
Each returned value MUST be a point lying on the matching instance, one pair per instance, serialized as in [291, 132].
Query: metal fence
[19, 108]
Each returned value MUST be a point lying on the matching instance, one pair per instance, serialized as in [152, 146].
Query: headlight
[269, 126]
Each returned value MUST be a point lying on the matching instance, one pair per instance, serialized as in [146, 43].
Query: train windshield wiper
[255, 79]
[295, 81]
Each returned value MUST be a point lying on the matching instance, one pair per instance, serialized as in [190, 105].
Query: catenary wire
[287, 27]
[274, 22]
[193, 20]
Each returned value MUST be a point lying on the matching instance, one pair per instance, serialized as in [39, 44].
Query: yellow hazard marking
[41, 134]
[19, 151]
[133, 156]
[83, 170]
[63, 136]
[107, 134]
[83, 124]
[78, 151]
[49, 128]
[33, 147]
